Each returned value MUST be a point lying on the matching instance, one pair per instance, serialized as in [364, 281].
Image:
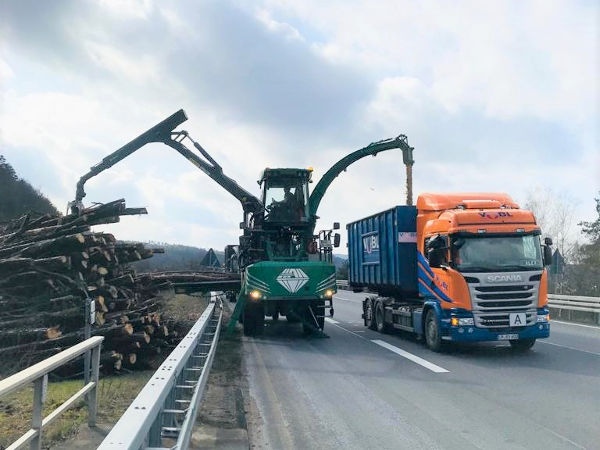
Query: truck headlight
[329, 293]
[543, 318]
[462, 321]
[255, 295]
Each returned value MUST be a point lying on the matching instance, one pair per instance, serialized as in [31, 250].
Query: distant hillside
[341, 266]
[18, 197]
[176, 257]
[339, 260]
[185, 257]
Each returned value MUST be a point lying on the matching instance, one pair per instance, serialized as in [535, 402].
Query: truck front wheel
[254, 319]
[382, 327]
[433, 337]
[522, 344]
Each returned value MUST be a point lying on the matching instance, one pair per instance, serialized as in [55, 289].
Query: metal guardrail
[342, 284]
[38, 375]
[168, 404]
[574, 302]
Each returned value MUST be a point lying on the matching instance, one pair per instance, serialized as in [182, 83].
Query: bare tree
[555, 214]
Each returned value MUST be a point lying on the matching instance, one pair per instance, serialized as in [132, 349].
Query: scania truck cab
[458, 267]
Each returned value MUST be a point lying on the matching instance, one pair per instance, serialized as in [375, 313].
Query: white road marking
[596, 327]
[413, 358]
[330, 320]
[570, 348]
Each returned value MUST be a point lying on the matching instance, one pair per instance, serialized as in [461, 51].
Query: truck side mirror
[547, 255]
[336, 225]
[336, 239]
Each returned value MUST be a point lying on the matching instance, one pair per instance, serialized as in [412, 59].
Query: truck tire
[249, 325]
[319, 311]
[292, 317]
[308, 324]
[380, 324]
[275, 316]
[254, 319]
[370, 315]
[259, 320]
[433, 337]
[522, 345]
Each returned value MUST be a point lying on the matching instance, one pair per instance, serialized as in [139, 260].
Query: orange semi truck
[458, 267]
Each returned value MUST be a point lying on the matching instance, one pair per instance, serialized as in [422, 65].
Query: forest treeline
[18, 197]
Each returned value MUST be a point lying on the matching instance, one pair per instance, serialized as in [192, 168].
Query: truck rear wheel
[522, 345]
[370, 315]
[433, 337]
[380, 324]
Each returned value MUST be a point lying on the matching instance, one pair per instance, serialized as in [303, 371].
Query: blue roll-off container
[382, 252]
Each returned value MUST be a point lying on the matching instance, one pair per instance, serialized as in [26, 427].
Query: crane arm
[372, 149]
[249, 202]
[163, 132]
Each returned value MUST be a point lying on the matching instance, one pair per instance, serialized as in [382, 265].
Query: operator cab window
[286, 200]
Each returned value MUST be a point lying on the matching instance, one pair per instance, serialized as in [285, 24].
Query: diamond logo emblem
[292, 279]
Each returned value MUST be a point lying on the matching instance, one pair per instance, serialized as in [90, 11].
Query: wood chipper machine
[285, 268]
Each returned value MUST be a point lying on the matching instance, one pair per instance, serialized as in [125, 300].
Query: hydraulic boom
[163, 132]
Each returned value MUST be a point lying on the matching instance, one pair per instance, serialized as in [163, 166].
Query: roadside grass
[184, 307]
[115, 393]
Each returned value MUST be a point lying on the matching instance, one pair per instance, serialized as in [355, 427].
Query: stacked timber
[51, 266]
[194, 276]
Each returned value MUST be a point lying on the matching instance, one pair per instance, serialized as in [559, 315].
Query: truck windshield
[496, 253]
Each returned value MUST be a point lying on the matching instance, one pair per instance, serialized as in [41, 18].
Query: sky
[493, 96]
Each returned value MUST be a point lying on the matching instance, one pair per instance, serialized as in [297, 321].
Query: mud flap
[237, 312]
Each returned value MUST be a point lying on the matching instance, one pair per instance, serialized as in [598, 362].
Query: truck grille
[493, 302]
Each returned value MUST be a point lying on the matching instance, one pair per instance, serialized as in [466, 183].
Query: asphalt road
[351, 392]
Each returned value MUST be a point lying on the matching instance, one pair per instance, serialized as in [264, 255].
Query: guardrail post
[93, 394]
[39, 387]
[154, 435]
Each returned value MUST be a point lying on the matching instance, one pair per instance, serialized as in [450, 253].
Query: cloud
[492, 95]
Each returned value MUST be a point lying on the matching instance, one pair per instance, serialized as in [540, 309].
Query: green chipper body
[285, 268]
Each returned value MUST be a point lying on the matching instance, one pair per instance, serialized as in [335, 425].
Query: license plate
[507, 337]
[517, 319]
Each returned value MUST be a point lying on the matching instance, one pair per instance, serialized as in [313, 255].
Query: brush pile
[51, 266]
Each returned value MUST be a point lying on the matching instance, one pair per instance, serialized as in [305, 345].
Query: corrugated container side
[382, 251]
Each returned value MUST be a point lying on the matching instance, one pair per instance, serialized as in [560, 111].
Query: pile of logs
[51, 266]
